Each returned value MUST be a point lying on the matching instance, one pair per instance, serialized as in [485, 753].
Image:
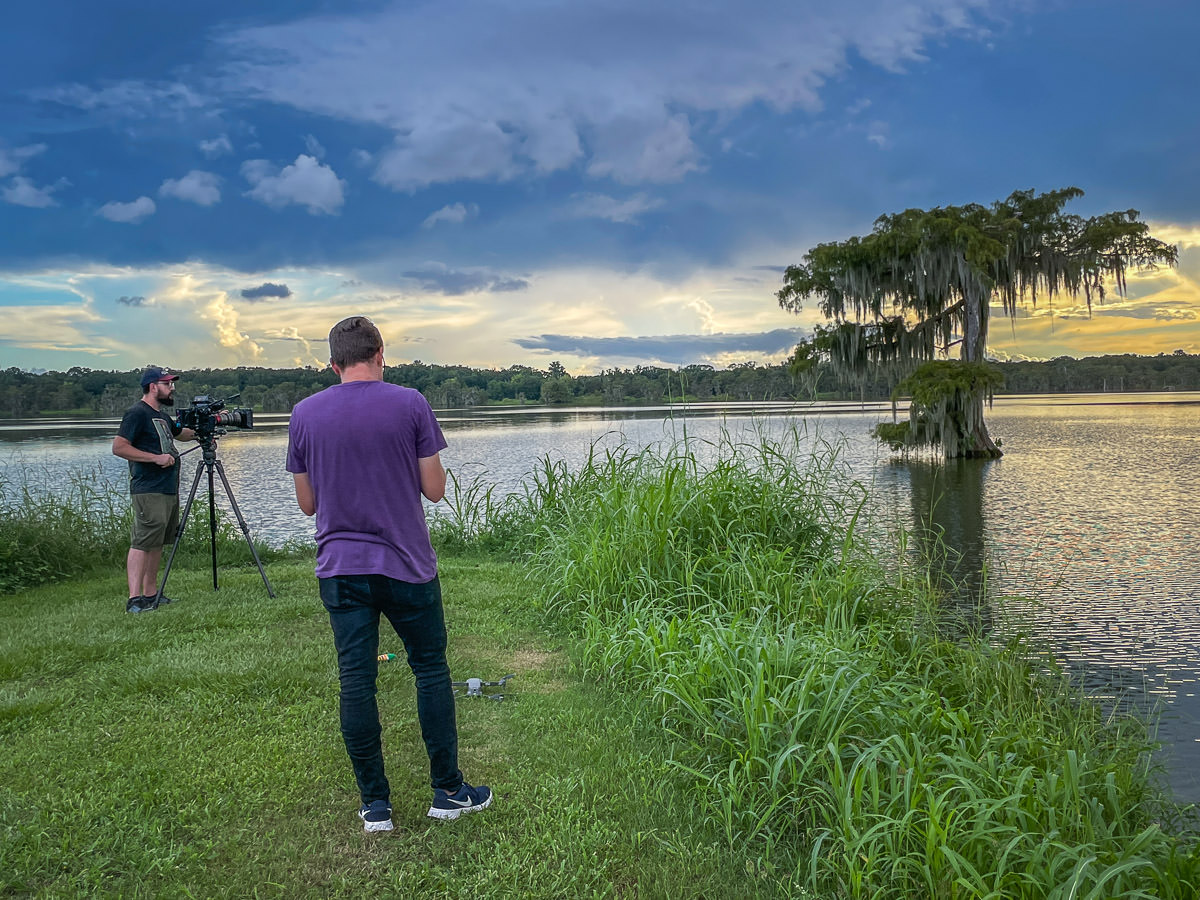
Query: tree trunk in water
[982, 446]
[978, 443]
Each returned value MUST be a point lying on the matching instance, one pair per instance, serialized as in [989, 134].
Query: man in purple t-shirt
[363, 452]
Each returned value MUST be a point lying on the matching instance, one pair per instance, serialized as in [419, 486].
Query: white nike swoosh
[459, 802]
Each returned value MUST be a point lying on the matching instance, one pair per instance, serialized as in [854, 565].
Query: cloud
[225, 319]
[290, 334]
[673, 348]
[23, 192]
[636, 150]
[626, 91]
[1164, 313]
[265, 290]
[218, 146]
[472, 150]
[202, 188]
[999, 313]
[313, 146]
[129, 213]
[1005, 356]
[134, 301]
[305, 183]
[438, 278]
[602, 206]
[454, 214]
[12, 160]
[1186, 236]
[127, 98]
[68, 327]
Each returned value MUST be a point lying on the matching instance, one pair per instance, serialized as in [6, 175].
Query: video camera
[208, 417]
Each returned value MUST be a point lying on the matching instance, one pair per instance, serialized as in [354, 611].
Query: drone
[475, 687]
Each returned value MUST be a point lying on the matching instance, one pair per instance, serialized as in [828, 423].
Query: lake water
[1091, 511]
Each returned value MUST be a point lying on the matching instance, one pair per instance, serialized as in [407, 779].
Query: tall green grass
[79, 523]
[832, 726]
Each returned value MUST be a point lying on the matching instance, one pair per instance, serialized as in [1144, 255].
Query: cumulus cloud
[128, 213]
[199, 187]
[266, 290]
[453, 214]
[218, 146]
[292, 335]
[470, 149]
[624, 90]
[23, 192]
[602, 206]
[133, 301]
[306, 182]
[224, 317]
[437, 278]
[11, 160]
[672, 348]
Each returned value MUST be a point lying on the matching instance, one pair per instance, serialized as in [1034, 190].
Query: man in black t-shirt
[146, 440]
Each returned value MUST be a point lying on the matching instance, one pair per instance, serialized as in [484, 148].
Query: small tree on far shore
[924, 281]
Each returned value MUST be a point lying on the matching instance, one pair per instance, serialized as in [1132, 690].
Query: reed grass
[833, 728]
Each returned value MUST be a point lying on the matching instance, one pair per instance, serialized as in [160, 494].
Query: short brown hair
[353, 340]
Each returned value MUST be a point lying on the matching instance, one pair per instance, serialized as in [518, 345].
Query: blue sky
[602, 183]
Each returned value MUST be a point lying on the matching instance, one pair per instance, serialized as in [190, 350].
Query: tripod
[209, 463]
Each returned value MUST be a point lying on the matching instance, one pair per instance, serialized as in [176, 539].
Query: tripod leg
[245, 528]
[212, 520]
[187, 508]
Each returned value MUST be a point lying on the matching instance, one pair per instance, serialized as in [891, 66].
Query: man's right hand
[166, 460]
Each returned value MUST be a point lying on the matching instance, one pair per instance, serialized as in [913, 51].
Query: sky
[607, 184]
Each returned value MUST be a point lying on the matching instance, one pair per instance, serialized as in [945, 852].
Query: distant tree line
[81, 391]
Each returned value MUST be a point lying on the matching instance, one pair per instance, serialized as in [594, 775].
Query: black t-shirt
[151, 430]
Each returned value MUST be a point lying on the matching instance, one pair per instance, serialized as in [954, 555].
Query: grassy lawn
[195, 752]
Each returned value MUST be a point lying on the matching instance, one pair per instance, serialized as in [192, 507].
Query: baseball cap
[154, 373]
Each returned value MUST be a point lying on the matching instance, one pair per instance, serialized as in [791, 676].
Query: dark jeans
[354, 603]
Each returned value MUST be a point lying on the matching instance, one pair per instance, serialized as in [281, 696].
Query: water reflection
[949, 525]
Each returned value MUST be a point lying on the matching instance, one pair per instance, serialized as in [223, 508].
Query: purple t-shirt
[359, 442]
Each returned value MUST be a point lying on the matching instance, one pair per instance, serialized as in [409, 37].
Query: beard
[166, 401]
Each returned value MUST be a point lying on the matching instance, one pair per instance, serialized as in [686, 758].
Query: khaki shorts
[155, 520]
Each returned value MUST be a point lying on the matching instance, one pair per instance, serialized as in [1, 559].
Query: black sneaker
[466, 799]
[376, 816]
[164, 600]
[140, 604]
